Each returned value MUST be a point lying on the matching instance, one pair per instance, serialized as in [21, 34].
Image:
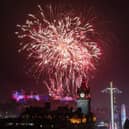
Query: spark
[62, 48]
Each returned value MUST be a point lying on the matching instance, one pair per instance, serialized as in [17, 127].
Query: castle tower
[84, 98]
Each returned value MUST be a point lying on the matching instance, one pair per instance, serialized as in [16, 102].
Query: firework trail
[61, 48]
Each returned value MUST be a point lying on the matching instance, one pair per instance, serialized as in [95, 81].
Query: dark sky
[113, 14]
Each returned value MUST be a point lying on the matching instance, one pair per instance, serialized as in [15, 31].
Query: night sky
[114, 15]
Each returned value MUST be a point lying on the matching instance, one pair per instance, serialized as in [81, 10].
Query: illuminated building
[123, 115]
[83, 100]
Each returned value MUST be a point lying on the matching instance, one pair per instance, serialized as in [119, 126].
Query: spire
[84, 89]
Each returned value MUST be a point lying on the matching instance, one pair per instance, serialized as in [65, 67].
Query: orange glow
[78, 120]
[94, 119]
[84, 120]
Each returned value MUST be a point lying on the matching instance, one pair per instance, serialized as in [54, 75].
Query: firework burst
[61, 48]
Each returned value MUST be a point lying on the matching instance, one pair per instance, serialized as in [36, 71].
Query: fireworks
[61, 48]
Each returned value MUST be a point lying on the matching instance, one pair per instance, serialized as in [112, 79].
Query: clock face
[82, 95]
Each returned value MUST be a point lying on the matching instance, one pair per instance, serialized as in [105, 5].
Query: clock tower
[84, 98]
